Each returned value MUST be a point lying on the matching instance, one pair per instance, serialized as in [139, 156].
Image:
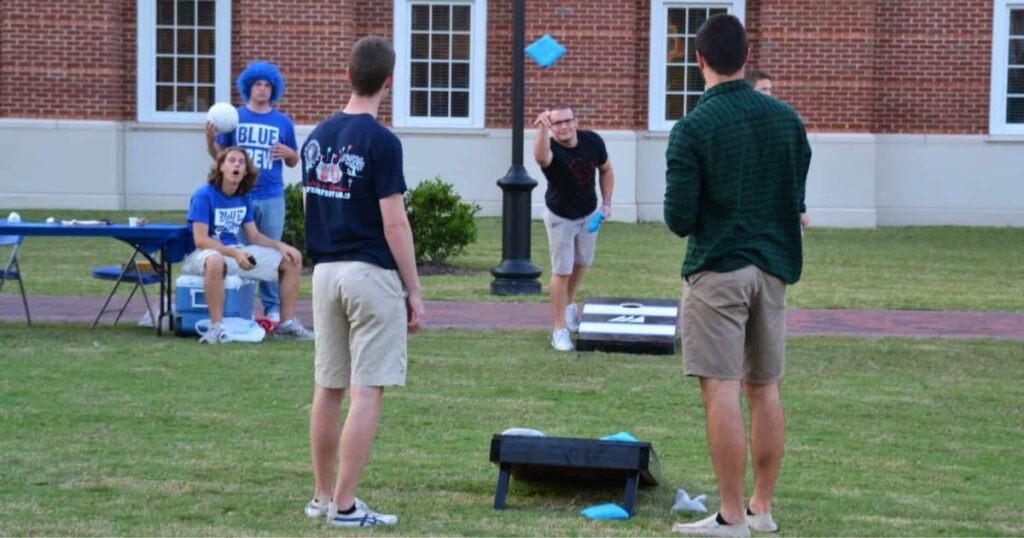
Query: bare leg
[357, 441]
[289, 275]
[213, 286]
[727, 442]
[323, 437]
[767, 441]
[574, 284]
[559, 298]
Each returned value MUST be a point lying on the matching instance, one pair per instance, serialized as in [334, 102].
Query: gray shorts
[734, 325]
[569, 242]
[268, 261]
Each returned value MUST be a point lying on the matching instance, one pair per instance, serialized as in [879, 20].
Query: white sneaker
[362, 517]
[561, 341]
[761, 522]
[711, 527]
[572, 318]
[215, 335]
[274, 316]
[316, 508]
[294, 330]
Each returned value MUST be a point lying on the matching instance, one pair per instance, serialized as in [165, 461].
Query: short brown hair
[371, 63]
[562, 105]
[216, 178]
[754, 75]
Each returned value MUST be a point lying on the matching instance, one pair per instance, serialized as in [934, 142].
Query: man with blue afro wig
[268, 136]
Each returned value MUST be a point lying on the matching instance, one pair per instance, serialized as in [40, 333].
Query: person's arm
[607, 187]
[398, 234]
[805, 221]
[541, 144]
[201, 237]
[255, 237]
[212, 147]
[285, 153]
[682, 182]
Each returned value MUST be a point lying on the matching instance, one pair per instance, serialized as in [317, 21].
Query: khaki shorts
[268, 261]
[569, 242]
[359, 318]
[734, 325]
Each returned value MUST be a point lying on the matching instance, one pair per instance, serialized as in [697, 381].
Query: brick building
[915, 108]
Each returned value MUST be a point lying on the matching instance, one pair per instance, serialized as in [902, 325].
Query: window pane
[1017, 22]
[460, 47]
[207, 13]
[691, 50]
[418, 104]
[697, 16]
[439, 46]
[204, 99]
[691, 102]
[676, 79]
[165, 98]
[165, 12]
[675, 50]
[186, 12]
[1016, 52]
[420, 17]
[186, 101]
[1015, 110]
[676, 21]
[1015, 81]
[441, 18]
[460, 104]
[674, 106]
[717, 11]
[207, 42]
[186, 41]
[186, 70]
[204, 71]
[420, 46]
[460, 76]
[439, 75]
[439, 105]
[460, 18]
[165, 41]
[694, 80]
[420, 75]
[164, 69]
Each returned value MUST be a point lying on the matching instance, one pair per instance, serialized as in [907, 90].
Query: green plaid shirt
[737, 167]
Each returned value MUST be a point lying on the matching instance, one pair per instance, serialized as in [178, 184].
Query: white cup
[133, 221]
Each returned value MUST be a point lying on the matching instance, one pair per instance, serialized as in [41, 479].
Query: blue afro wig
[261, 71]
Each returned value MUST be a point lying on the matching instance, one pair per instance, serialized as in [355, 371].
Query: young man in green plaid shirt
[737, 167]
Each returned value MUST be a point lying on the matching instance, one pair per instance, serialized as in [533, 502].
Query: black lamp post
[516, 275]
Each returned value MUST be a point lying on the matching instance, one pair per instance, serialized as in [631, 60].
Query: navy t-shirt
[349, 163]
[572, 176]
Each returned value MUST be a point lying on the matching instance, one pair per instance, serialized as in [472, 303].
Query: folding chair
[12, 271]
[129, 273]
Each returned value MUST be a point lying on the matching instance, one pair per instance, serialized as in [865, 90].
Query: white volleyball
[223, 116]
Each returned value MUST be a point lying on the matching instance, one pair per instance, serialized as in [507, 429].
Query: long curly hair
[216, 178]
[261, 70]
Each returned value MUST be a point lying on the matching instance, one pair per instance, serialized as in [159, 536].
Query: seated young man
[217, 213]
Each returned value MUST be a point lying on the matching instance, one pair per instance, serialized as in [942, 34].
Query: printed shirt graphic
[349, 163]
[224, 215]
[572, 176]
[257, 133]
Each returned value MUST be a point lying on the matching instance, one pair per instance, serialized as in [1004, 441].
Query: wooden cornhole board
[576, 462]
[629, 325]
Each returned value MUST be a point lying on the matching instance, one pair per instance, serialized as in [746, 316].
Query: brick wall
[884, 66]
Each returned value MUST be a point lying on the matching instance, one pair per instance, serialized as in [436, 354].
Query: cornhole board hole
[576, 462]
[629, 325]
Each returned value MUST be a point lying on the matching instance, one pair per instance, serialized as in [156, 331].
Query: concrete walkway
[485, 316]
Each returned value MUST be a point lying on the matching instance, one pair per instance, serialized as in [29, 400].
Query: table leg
[502, 490]
[631, 486]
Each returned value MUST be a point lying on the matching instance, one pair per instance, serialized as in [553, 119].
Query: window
[439, 73]
[675, 80]
[1007, 93]
[184, 58]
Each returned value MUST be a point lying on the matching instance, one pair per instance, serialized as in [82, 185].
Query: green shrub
[295, 221]
[442, 224]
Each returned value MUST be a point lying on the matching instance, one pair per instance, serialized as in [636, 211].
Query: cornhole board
[575, 462]
[629, 325]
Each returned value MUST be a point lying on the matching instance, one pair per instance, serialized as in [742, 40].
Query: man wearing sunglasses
[570, 159]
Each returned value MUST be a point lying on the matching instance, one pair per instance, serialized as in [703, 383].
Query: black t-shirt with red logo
[572, 176]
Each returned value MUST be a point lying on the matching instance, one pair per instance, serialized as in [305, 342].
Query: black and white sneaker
[361, 517]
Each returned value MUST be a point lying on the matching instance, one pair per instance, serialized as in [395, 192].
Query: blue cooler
[190, 301]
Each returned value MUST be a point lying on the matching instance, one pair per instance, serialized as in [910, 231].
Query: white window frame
[656, 80]
[997, 124]
[400, 116]
[145, 76]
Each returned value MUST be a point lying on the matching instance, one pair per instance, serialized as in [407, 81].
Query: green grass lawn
[114, 432]
[938, 268]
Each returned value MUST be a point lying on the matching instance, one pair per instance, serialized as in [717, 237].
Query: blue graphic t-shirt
[257, 133]
[349, 163]
[224, 215]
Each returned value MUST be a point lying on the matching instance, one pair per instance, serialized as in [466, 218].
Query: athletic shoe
[213, 336]
[711, 527]
[761, 522]
[316, 508]
[293, 330]
[274, 316]
[561, 341]
[362, 517]
[572, 318]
